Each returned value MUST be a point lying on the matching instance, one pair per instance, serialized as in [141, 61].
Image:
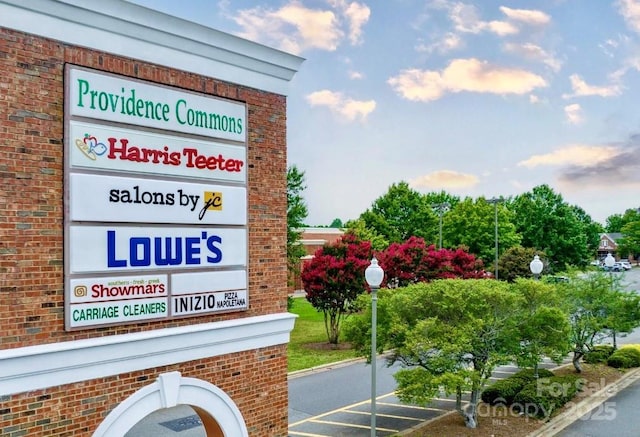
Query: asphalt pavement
[335, 402]
[616, 416]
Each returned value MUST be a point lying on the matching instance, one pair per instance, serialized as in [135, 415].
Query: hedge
[625, 358]
[504, 390]
[542, 397]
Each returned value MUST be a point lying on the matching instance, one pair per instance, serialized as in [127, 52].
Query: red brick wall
[252, 379]
[31, 239]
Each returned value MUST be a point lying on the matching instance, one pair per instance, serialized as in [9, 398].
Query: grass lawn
[309, 346]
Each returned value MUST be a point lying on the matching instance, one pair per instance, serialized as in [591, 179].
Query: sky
[476, 98]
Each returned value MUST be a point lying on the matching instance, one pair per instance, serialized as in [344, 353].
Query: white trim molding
[133, 31]
[38, 367]
[183, 391]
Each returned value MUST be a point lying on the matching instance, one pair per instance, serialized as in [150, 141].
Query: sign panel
[115, 98]
[125, 150]
[190, 304]
[118, 288]
[155, 217]
[122, 311]
[116, 248]
[120, 199]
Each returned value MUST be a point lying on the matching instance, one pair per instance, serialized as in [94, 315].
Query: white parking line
[352, 425]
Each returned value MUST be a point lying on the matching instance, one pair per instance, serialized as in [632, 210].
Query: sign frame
[232, 277]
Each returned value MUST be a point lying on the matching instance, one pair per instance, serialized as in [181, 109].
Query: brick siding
[31, 242]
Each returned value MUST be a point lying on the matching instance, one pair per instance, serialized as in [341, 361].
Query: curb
[563, 420]
[323, 368]
[330, 366]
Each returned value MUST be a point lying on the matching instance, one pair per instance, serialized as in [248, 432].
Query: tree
[450, 335]
[615, 222]
[543, 327]
[591, 230]
[548, 224]
[514, 263]
[400, 214]
[441, 197]
[597, 309]
[336, 223]
[471, 223]
[623, 310]
[334, 278]
[296, 214]
[629, 244]
[359, 229]
[413, 261]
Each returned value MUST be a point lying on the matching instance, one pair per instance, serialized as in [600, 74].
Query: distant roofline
[320, 230]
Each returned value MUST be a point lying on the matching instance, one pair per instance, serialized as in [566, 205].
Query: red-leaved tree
[334, 278]
[413, 261]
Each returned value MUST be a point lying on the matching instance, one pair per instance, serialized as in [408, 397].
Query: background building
[312, 239]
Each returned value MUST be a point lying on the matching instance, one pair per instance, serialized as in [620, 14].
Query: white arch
[169, 390]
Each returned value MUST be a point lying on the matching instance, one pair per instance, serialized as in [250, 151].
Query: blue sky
[477, 98]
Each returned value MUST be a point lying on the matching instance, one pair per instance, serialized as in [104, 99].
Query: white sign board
[198, 282]
[118, 249]
[115, 98]
[118, 288]
[190, 304]
[126, 150]
[120, 199]
[155, 202]
[121, 311]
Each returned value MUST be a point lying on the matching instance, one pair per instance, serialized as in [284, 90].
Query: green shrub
[631, 346]
[599, 354]
[542, 397]
[530, 374]
[503, 391]
[532, 403]
[289, 302]
[624, 358]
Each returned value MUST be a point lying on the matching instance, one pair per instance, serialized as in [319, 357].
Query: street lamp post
[536, 267]
[609, 261]
[441, 208]
[373, 275]
[494, 201]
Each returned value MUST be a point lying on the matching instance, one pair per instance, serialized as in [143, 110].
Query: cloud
[295, 28]
[630, 11]
[573, 113]
[465, 19]
[534, 53]
[444, 179]
[582, 89]
[619, 168]
[576, 155]
[447, 43]
[527, 16]
[357, 16]
[597, 166]
[470, 75]
[501, 28]
[341, 105]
